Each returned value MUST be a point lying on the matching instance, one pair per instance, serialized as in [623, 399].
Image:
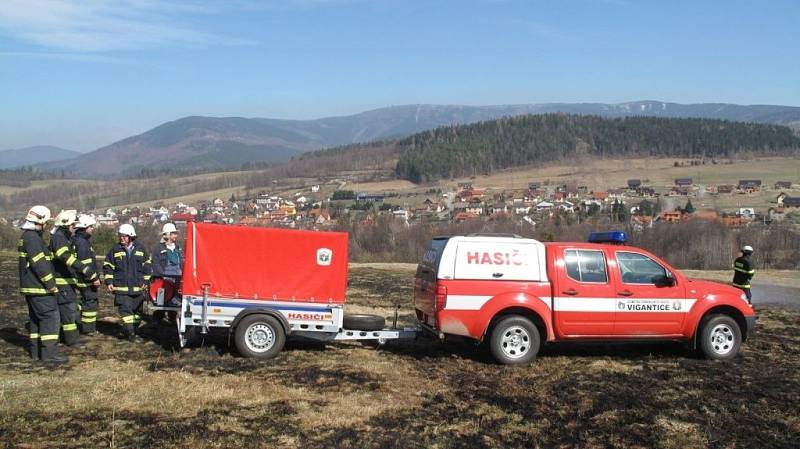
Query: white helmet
[168, 228]
[67, 217]
[38, 214]
[85, 221]
[127, 229]
[747, 249]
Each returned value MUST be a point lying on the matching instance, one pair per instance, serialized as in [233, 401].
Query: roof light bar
[617, 237]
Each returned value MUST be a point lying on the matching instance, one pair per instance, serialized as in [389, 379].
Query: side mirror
[664, 281]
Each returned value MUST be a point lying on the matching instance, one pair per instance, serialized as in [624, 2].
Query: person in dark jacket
[37, 283]
[84, 229]
[127, 272]
[68, 267]
[167, 264]
[743, 271]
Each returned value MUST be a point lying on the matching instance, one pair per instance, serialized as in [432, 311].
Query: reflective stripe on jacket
[127, 273]
[87, 256]
[742, 272]
[65, 262]
[36, 275]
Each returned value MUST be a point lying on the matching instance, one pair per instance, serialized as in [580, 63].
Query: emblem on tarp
[324, 257]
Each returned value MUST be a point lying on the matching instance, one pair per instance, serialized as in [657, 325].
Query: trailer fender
[263, 311]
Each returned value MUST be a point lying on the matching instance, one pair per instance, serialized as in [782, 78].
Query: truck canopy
[242, 262]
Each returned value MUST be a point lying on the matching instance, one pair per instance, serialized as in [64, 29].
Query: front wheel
[514, 340]
[720, 338]
[259, 336]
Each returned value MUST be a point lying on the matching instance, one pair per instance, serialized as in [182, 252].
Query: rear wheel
[514, 340]
[259, 336]
[720, 338]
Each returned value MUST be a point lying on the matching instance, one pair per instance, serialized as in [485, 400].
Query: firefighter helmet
[67, 217]
[747, 249]
[38, 214]
[85, 221]
[169, 228]
[127, 229]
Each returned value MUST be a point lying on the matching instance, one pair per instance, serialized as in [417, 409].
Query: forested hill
[515, 141]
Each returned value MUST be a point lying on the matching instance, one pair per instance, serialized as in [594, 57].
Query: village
[320, 206]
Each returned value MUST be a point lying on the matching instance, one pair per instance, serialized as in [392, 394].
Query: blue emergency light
[617, 237]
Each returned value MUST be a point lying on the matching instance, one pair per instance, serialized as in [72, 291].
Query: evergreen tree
[689, 208]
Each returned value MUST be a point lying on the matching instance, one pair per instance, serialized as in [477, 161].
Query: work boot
[50, 355]
[56, 360]
[33, 349]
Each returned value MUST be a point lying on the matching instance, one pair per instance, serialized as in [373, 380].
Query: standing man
[68, 267]
[167, 264]
[37, 283]
[127, 272]
[88, 287]
[743, 271]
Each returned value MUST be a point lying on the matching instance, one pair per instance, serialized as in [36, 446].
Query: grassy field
[420, 394]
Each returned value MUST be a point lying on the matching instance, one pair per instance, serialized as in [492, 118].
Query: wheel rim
[259, 337]
[722, 339]
[516, 342]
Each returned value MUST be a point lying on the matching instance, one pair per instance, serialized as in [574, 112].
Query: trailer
[264, 285]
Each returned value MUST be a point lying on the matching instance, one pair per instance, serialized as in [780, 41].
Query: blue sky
[84, 73]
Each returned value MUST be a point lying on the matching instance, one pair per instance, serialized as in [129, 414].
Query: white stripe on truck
[577, 304]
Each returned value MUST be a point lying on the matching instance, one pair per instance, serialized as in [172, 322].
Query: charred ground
[416, 394]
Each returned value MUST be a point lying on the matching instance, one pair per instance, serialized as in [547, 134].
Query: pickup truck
[514, 293]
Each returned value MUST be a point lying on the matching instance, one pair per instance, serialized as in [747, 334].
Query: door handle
[497, 275]
[571, 292]
[625, 293]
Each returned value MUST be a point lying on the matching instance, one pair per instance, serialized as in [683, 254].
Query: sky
[82, 74]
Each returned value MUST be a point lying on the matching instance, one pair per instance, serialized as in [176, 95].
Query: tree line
[480, 148]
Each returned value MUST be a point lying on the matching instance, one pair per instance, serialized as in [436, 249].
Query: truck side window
[586, 266]
[638, 269]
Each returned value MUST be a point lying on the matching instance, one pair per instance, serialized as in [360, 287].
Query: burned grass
[407, 394]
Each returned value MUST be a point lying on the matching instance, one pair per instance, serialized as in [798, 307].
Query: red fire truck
[514, 292]
[264, 285]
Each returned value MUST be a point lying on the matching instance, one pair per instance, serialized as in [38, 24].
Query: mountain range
[34, 155]
[229, 142]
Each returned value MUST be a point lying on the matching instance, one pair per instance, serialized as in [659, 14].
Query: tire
[259, 336]
[720, 338]
[514, 341]
[362, 322]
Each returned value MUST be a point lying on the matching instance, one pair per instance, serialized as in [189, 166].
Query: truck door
[649, 300]
[583, 301]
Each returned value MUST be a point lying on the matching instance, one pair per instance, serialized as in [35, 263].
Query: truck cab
[515, 293]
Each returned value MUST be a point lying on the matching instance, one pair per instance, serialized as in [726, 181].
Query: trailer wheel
[259, 336]
[514, 340]
[363, 322]
[720, 338]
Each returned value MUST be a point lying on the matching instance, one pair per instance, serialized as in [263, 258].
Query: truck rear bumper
[430, 330]
[751, 326]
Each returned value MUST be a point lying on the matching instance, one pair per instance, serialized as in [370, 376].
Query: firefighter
[37, 283]
[167, 262]
[127, 272]
[84, 229]
[743, 271]
[67, 267]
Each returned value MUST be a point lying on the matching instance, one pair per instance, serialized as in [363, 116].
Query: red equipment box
[265, 263]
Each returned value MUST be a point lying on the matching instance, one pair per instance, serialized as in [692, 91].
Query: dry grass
[419, 394]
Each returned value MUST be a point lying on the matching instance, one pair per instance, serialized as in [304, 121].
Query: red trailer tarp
[265, 263]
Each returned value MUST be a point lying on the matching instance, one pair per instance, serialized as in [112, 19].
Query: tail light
[441, 297]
